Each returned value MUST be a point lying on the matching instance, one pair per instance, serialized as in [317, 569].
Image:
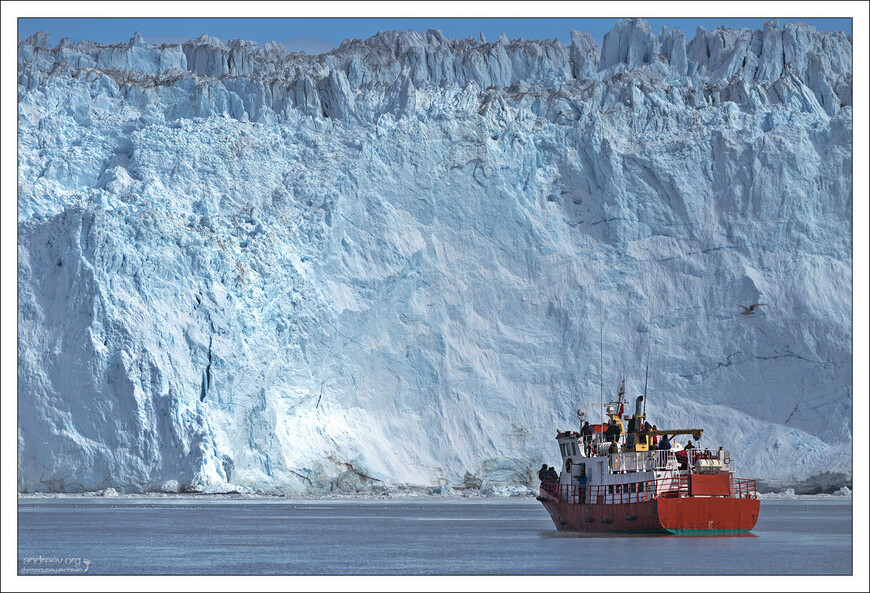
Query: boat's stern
[707, 516]
[716, 503]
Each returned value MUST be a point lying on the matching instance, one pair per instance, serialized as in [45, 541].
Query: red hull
[683, 515]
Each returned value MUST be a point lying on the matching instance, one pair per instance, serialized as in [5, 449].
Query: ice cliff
[388, 266]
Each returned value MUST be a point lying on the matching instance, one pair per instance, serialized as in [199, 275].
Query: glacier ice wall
[388, 266]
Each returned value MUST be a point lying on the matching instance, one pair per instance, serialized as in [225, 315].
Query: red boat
[622, 483]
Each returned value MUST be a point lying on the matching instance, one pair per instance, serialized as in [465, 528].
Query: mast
[601, 363]
[646, 379]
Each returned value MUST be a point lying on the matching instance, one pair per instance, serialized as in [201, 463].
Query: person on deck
[655, 438]
[689, 445]
[586, 433]
[542, 473]
[664, 444]
[552, 475]
[612, 432]
[581, 486]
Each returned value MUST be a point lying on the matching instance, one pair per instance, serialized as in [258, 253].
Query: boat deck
[683, 486]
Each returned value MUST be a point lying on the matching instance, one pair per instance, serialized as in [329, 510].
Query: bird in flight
[750, 310]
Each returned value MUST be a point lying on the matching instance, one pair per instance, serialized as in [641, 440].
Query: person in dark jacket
[664, 444]
[689, 445]
[645, 432]
[586, 433]
[542, 473]
[612, 432]
[552, 475]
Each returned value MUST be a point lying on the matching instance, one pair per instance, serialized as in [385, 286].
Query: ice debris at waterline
[385, 266]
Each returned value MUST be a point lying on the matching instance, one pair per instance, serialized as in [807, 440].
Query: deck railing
[674, 487]
[743, 488]
[695, 455]
[644, 461]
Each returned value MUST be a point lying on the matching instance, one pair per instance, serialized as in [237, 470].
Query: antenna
[646, 379]
[601, 367]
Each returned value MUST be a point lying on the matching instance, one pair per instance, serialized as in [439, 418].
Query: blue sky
[316, 35]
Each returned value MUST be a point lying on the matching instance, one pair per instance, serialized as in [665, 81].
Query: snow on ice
[384, 267]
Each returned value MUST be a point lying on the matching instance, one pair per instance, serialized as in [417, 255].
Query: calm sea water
[408, 537]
